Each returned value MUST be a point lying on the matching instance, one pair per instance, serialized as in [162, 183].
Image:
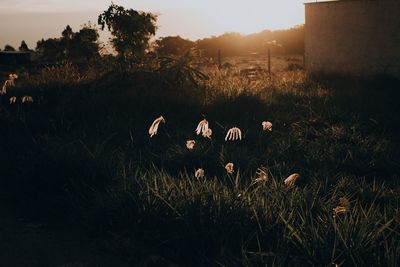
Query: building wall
[14, 58]
[353, 37]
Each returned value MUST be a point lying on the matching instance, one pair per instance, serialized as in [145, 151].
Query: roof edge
[336, 1]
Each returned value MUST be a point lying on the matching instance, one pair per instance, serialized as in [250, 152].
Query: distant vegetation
[233, 44]
[73, 46]
[134, 42]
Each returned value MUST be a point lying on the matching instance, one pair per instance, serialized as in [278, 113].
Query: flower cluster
[27, 99]
[233, 134]
[9, 82]
[190, 144]
[199, 173]
[24, 99]
[202, 127]
[267, 126]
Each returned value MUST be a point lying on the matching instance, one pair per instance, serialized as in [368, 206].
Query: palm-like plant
[180, 71]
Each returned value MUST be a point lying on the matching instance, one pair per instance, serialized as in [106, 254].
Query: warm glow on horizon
[31, 20]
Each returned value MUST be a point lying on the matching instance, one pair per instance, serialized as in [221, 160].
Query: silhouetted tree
[67, 33]
[65, 41]
[131, 30]
[50, 49]
[173, 45]
[8, 47]
[84, 44]
[23, 46]
[71, 46]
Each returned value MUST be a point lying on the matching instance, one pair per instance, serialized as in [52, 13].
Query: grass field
[79, 158]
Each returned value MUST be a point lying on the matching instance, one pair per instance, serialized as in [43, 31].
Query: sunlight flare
[154, 126]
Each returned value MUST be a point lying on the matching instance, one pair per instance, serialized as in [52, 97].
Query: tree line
[132, 31]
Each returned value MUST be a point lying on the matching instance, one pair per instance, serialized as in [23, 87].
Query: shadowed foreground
[86, 186]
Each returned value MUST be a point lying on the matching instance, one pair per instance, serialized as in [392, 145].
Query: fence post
[219, 58]
[269, 61]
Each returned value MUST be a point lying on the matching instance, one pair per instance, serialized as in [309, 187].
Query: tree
[82, 45]
[67, 33]
[9, 48]
[173, 45]
[23, 46]
[50, 49]
[131, 30]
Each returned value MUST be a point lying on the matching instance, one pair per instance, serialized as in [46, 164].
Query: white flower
[5, 85]
[291, 180]
[4, 88]
[262, 175]
[13, 76]
[339, 210]
[190, 144]
[229, 168]
[267, 126]
[11, 79]
[208, 133]
[9, 82]
[202, 127]
[344, 207]
[154, 126]
[27, 99]
[234, 134]
[13, 99]
[199, 173]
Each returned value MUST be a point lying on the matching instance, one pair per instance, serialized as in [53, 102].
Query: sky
[32, 20]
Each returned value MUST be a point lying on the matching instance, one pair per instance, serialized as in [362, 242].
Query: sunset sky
[31, 20]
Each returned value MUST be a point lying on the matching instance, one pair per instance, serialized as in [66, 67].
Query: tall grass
[82, 154]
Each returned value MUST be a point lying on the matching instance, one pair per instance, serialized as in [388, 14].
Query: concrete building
[353, 37]
[14, 58]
